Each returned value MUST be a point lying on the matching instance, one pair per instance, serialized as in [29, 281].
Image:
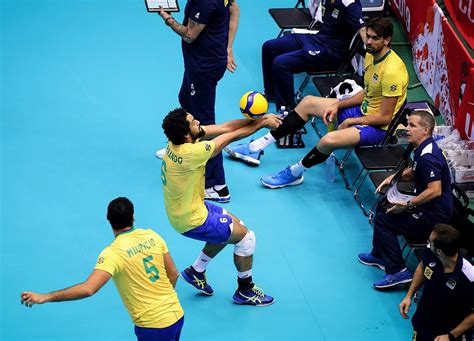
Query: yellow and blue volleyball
[253, 105]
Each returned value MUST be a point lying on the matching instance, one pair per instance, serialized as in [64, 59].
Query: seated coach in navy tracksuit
[432, 204]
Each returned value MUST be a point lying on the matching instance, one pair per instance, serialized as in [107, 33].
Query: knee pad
[246, 247]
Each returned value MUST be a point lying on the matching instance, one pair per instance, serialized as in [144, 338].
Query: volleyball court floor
[85, 86]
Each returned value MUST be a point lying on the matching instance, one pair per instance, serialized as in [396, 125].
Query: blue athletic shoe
[368, 259]
[392, 280]
[282, 179]
[243, 153]
[254, 296]
[197, 280]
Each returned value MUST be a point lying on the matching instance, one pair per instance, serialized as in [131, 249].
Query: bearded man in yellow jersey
[144, 273]
[183, 177]
[362, 118]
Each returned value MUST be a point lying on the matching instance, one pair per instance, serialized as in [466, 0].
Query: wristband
[167, 20]
[451, 337]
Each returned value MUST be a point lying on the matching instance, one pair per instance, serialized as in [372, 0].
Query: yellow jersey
[183, 178]
[387, 77]
[135, 261]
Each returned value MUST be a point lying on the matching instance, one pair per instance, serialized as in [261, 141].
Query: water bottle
[330, 168]
[281, 112]
[331, 126]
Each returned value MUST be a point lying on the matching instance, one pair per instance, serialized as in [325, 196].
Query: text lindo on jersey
[173, 157]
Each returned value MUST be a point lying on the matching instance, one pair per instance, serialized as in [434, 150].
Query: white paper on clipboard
[168, 5]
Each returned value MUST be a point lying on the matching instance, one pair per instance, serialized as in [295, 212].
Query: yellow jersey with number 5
[135, 261]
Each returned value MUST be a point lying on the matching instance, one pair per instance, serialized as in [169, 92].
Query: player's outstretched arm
[96, 280]
[215, 130]
[269, 121]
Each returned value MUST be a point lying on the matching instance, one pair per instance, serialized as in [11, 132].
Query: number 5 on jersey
[151, 269]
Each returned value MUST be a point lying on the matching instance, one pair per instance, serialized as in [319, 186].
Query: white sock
[261, 143]
[219, 187]
[297, 169]
[244, 274]
[200, 264]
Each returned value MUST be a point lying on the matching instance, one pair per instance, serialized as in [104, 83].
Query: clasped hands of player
[270, 121]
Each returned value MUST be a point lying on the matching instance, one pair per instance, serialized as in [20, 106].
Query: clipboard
[153, 6]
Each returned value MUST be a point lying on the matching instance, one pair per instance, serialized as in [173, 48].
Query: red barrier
[441, 61]
[459, 66]
[462, 13]
[465, 119]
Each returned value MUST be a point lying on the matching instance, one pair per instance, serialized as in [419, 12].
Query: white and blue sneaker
[368, 259]
[254, 296]
[404, 276]
[221, 195]
[282, 179]
[242, 152]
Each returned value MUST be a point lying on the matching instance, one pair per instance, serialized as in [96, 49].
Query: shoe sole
[219, 200]
[255, 305]
[189, 281]
[294, 183]
[381, 267]
[393, 284]
[245, 158]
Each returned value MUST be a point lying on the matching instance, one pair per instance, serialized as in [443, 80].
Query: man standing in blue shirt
[446, 307]
[295, 53]
[432, 204]
[207, 33]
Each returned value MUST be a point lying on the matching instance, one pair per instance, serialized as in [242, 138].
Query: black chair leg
[342, 169]
[299, 92]
[357, 197]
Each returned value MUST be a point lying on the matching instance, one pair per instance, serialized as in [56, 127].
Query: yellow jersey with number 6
[182, 174]
[135, 261]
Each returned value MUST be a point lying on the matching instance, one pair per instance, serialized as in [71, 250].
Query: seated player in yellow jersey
[362, 119]
[182, 175]
[144, 273]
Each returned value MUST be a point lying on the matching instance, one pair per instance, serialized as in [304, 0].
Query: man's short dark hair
[447, 239]
[175, 126]
[120, 213]
[382, 27]
[426, 119]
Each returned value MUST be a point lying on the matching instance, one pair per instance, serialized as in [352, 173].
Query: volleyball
[253, 105]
